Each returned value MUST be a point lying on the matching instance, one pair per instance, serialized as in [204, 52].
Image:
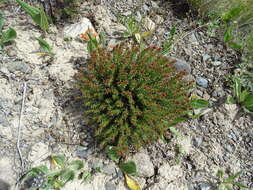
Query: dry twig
[20, 126]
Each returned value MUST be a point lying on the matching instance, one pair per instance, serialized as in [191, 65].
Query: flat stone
[229, 148]
[3, 119]
[205, 57]
[75, 30]
[18, 66]
[148, 24]
[204, 187]
[7, 174]
[4, 185]
[96, 163]
[38, 154]
[182, 66]
[110, 186]
[83, 152]
[109, 169]
[202, 82]
[216, 63]
[197, 141]
[193, 39]
[144, 165]
[170, 173]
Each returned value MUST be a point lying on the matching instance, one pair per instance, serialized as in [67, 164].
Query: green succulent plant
[132, 95]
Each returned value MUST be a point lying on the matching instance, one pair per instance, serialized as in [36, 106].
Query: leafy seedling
[60, 173]
[112, 153]
[7, 36]
[37, 14]
[199, 107]
[46, 48]
[167, 45]
[241, 96]
[128, 168]
[227, 183]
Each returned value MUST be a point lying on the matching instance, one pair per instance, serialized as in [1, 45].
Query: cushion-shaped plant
[132, 95]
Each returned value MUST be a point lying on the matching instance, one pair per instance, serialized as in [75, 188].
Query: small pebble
[202, 82]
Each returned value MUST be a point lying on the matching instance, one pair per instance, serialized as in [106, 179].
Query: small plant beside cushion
[132, 95]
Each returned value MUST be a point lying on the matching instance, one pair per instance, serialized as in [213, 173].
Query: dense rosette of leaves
[132, 95]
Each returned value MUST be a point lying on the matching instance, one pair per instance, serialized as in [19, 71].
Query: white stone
[170, 173]
[39, 153]
[75, 30]
[148, 24]
[144, 165]
[6, 172]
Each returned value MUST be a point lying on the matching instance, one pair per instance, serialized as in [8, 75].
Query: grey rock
[4, 185]
[170, 173]
[188, 166]
[193, 39]
[138, 16]
[144, 165]
[18, 66]
[199, 92]
[4, 70]
[182, 66]
[127, 13]
[216, 63]
[219, 92]
[109, 169]
[83, 152]
[154, 5]
[6, 104]
[7, 172]
[197, 141]
[110, 186]
[217, 57]
[205, 57]
[204, 187]
[145, 8]
[3, 119]
[202, 82]
[95, 163]
[229, 148]
[188, 78]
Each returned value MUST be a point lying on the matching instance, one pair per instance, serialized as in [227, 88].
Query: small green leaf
[232, 13]
[177, 120]
[38, 15]
[230, 100]
[231, 178]
[76, 165]
[59, 159]
[1, 21]
[9, 35]
[112, 153]
[54, 173]
[85, 176]
[228, 35]
[220, 174]
[240, 185]
[237, 88]
[43, 20]
[199, 103]
[67, 175]
[235, 45]
[128, 168]
[248, 102]
[174, 131]
[39, 169]
[44, 45]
